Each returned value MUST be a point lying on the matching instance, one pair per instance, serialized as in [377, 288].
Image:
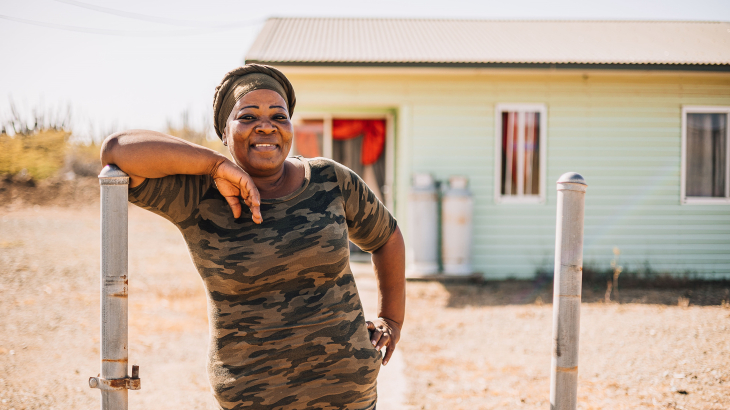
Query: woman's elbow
[109, 146]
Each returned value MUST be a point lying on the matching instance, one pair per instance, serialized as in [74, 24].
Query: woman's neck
[285, 181]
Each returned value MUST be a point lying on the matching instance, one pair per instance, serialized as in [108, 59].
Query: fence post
[114, 380]
[567, 291]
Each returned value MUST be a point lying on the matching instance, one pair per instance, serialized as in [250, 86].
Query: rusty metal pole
[113, 380]
[567, 291]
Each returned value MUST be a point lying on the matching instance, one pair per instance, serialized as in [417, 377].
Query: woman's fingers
[375, 334]
[234, 183]
[383, 341]
[235, 205]
[389, 352]
[384, 333]
[251, 197]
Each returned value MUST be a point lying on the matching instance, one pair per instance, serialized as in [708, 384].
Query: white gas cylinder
[423, 226]
[456, 227]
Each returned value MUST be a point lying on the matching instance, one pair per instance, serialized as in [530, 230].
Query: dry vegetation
[43, 147]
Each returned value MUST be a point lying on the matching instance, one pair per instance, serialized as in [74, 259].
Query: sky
[123, 64]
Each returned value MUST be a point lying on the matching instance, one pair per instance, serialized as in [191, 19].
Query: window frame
[701, 200]
[519, 107]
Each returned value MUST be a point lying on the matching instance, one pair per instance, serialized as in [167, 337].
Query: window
[705, 155]
[520, 153]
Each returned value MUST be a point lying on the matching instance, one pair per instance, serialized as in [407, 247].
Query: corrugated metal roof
[338, 41]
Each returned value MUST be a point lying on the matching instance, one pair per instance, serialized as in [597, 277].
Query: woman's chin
[264, 163]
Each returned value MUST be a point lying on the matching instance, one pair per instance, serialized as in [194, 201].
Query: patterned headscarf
[243, 80]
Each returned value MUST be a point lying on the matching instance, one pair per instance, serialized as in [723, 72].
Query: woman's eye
[280, 117]
[247, 117]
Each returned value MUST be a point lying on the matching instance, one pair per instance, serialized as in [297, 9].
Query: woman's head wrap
[243, 80]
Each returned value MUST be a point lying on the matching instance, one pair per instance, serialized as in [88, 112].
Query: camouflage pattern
[286, 323]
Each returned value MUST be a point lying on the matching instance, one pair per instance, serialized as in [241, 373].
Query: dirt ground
[465, 346]
[468, 348]
[49, 293]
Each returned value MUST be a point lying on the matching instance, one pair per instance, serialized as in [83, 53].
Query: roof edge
[505, 20]
[546, 66]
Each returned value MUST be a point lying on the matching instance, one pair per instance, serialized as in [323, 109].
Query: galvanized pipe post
[567, 291]
[114, 380]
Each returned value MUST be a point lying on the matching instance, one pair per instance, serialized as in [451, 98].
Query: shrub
[41, 153]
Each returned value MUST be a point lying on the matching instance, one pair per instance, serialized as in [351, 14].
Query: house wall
[620, 130]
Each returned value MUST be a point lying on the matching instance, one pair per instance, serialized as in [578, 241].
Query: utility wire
[134, 33]
[144, 17]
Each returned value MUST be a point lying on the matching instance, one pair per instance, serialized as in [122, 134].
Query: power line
[134, 33]
[144, 17]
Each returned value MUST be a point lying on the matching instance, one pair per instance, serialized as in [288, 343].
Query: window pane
[308, 136]
[509, 157]
[520, 153]
[532, 153]
[706, 155]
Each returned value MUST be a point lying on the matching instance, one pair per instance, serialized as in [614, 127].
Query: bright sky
[121, 72]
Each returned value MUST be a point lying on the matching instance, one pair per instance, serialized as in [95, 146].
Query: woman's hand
[234, 183]
[385, 332]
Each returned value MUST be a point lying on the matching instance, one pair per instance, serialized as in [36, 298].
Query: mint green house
[640, 109]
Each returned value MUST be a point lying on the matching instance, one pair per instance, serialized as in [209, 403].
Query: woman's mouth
[264, 147]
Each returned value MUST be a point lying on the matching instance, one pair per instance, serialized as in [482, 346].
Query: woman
[287, 327]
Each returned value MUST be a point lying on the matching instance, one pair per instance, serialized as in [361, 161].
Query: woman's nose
[266, 127]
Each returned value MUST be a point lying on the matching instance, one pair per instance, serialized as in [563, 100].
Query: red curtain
[373, 132]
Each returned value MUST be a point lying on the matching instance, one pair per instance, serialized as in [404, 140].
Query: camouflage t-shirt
[287, 327]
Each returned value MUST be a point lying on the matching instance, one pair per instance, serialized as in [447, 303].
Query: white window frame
[389, 192]
[521, 108]
[698, 109]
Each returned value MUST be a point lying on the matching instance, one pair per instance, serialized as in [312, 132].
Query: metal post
[567, 291]
[114, 381]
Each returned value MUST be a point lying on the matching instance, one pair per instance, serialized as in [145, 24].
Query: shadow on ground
[540, 291]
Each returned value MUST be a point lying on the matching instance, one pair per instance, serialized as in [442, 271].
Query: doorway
[363, 143]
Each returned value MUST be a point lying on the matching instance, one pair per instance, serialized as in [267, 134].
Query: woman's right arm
[149, 154]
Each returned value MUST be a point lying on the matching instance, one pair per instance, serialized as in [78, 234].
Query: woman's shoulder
[320, 162]
[327, 168]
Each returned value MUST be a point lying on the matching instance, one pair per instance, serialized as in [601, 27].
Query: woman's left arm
[390, 265]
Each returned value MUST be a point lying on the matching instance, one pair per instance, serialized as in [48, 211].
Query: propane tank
[423, 226]
[456, 219]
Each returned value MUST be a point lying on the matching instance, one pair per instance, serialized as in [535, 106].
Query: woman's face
[259, 132]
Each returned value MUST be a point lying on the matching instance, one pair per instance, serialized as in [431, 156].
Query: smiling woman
[287, 325]
[259, 135]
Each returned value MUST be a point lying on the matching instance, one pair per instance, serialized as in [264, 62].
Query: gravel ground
[489, 347]
[465, 347]
[49, 291]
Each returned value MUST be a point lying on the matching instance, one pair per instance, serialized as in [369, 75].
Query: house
[639, 108]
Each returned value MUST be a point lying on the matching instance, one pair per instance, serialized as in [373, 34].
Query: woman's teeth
[264, 145]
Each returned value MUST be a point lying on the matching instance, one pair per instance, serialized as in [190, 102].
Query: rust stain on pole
[567, 369]
[118, 383]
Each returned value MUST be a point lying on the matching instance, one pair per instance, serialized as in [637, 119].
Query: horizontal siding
[621, 132]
